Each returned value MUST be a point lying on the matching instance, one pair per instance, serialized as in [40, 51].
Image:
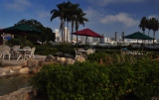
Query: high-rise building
[116, 36]
[67, 35]
[57, 35]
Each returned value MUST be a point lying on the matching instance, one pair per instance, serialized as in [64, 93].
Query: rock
[16, 67]
[24, 70]
[69, 61]
[62, 60]
[80, 58]
[50, 58]
[33, 70]
[24, 64]
[90, 51]
[26, 93]
[31, 63]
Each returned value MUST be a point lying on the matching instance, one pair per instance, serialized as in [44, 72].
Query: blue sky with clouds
[105, 16]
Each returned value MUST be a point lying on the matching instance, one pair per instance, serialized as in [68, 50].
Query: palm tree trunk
[72, 31]
[148, 35]
[153, 39]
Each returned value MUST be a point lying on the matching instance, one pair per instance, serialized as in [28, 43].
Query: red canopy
[87, 32]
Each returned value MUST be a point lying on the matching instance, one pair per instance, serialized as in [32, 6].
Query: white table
[22, 54]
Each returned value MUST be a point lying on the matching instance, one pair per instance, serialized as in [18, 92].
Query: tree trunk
[153, 39]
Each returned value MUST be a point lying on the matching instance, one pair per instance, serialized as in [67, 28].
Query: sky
[105, 16]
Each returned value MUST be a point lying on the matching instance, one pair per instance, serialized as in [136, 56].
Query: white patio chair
[1, 51]
[31, 54]
[15, 51]
[24, 52]
[6, 52]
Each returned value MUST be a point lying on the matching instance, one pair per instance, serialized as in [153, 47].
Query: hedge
[92, 81]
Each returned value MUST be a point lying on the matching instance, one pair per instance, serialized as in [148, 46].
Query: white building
[67, 35]
[57, 35]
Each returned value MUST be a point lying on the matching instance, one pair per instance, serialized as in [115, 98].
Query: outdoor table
[22, 54]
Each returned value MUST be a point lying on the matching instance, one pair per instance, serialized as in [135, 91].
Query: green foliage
[45, 49]
[93, 81]
[45, 35]
[65, 48]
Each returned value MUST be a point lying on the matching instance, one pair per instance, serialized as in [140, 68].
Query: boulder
[24, 70]
[50, 58]
[80, 58]
[31, 63]
[61, 60]
[70, 61]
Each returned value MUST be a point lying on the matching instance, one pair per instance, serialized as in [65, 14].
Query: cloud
[106, 2]
[123, 18]
[43, 14]
[155, 16]
[93, 15]
[18, 5]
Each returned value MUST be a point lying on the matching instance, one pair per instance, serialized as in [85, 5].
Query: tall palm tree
[149, 25]
[77, 17]
[69, 12]
[155, 27]
[59, 13]
[142, 24]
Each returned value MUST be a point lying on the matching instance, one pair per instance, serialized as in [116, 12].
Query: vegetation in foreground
[117, 78]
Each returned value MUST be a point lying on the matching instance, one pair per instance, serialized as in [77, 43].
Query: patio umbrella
[21, 28]
[138, 35]
[88, 33]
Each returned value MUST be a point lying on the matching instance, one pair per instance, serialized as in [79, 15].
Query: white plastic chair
[23, 53]
[15, 51]
[1, 51]
[6, 52]
[31, 54]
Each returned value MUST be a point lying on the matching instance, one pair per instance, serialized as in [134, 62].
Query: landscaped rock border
[30, 66]
[22, 94]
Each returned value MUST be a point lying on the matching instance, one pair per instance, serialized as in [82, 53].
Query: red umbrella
[88, 32]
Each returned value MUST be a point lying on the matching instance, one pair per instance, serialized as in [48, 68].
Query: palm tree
[71, 13]
[59, 13]
[77, 17]
[142, 24]
[155, 27]
[149, 25]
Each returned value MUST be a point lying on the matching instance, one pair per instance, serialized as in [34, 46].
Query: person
[125, 49]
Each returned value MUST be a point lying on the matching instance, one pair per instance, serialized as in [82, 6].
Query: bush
[92, 81]
[45, 49]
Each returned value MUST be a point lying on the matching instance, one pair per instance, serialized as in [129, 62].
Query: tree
[46, 34]
[142, 24]
[59, 13]
[149, 25]
[69, 12]
[155, 26]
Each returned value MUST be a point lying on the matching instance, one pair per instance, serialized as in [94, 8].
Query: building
[57, 35]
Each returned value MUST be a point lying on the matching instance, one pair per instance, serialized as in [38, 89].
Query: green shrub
[45, 49]
[93, 81]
